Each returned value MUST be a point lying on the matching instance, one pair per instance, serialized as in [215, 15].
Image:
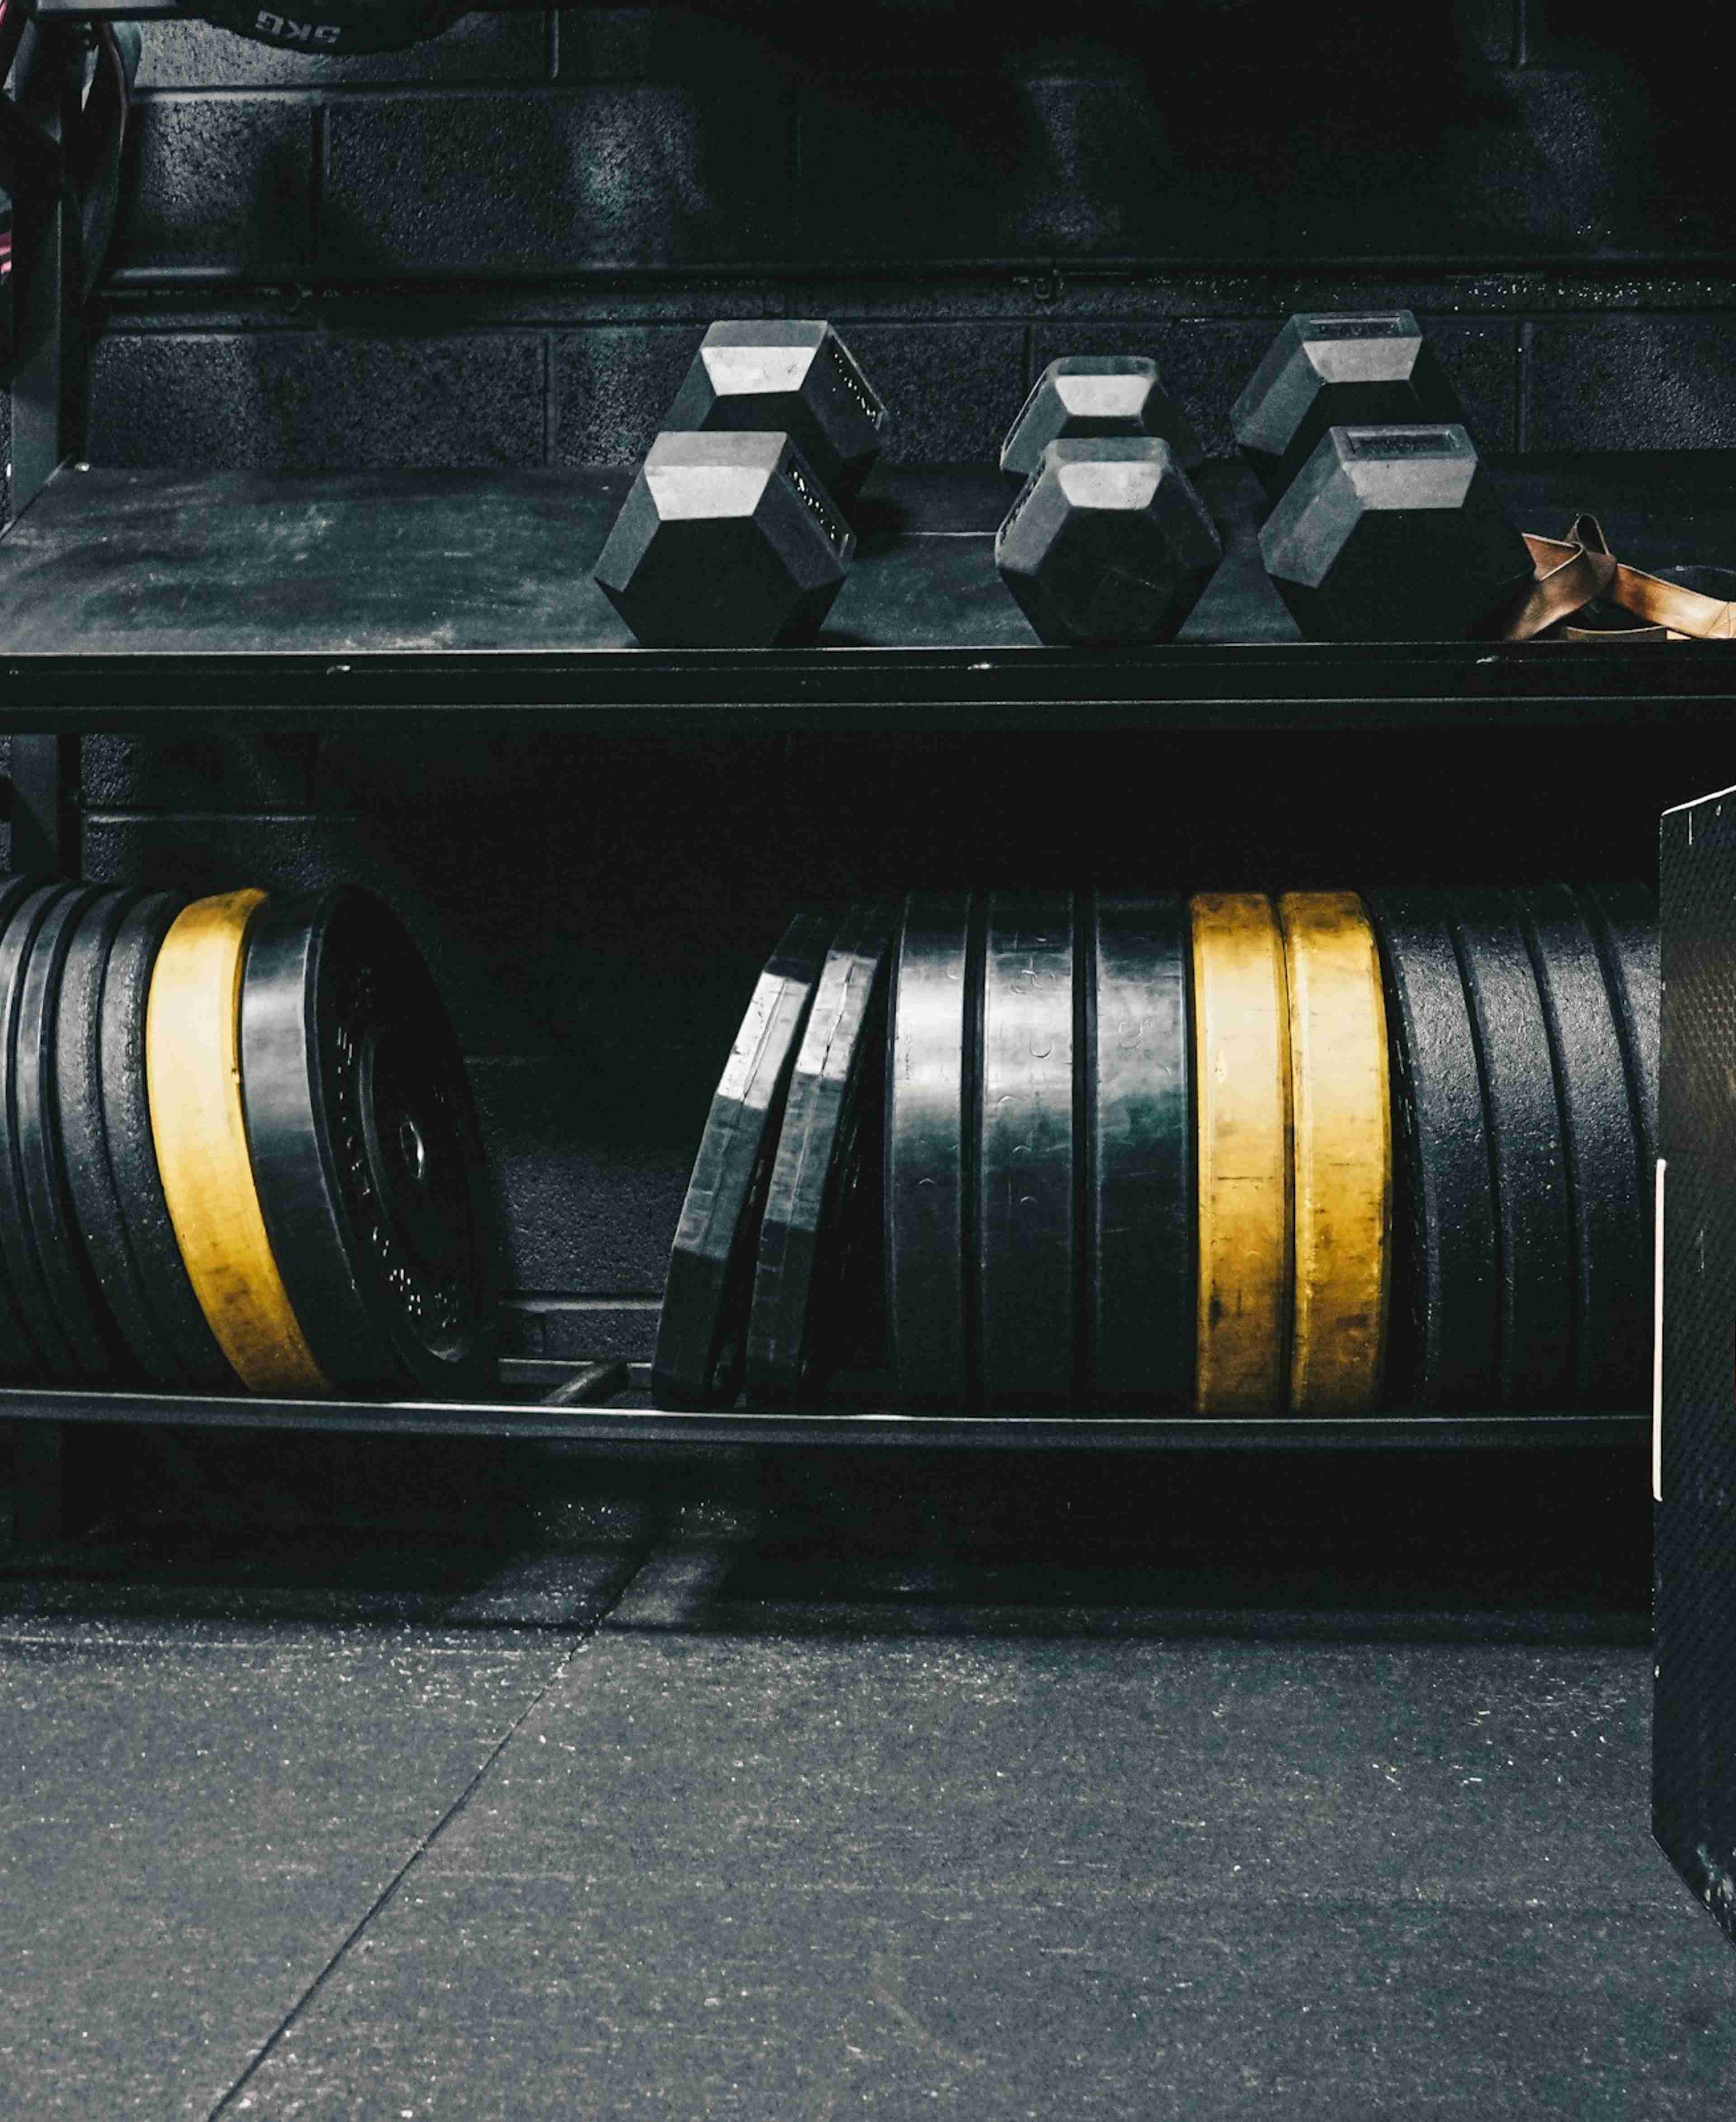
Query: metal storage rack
[148, 603]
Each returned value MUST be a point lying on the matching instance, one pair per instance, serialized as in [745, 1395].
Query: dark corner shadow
[1521, 1547]
[880, 515]
[1338, 1547]
[755, 1617]
[183, 1589]
[195, 1529]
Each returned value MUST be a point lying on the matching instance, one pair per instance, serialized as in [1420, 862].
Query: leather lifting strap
[1572, 572]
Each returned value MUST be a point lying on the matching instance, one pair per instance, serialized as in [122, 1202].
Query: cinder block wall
[500, 248]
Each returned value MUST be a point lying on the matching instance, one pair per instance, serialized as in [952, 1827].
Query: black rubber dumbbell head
[1364, 370]
[725, 541]
[789, 376]
[1107, 543]
[1394, 534]
[1093, 395]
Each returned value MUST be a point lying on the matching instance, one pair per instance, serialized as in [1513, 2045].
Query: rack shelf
[147, 600]
[161, 602]
[629, 1424]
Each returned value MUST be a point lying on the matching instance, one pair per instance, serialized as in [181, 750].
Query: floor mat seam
[384, 1898]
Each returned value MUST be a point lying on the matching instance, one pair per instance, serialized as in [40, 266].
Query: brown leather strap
[1572, 572]
[1684, 611]
[1618, 637]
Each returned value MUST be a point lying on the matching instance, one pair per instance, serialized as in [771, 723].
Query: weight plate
[1341, 1135]
[1612, 1262]
[1624, 918]
[119, 1194]
[1026, 1177]
[365, 1147]
[193, 1072]
[331, 28]
[48, 1336]
[20, 1357]
[701, 1335]
[1139, 1139]
[1445, 1272]
[934, 1044]
[822, 1199]
[1241, 1087]
[1533, 1228]
[97, 1216]
[93, 1342]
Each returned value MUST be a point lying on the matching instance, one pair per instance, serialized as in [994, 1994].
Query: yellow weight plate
[193, 1076]
[1242, 1097]
[1342, 1133]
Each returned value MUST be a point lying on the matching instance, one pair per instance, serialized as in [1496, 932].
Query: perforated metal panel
[1694, 1724]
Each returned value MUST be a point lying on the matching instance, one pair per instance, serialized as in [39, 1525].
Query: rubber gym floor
[350, 1779]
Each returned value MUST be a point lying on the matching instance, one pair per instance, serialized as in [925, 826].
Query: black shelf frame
[542, 1422]
[649, 693]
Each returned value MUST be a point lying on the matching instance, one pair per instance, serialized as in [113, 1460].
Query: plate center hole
[413, 1149]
